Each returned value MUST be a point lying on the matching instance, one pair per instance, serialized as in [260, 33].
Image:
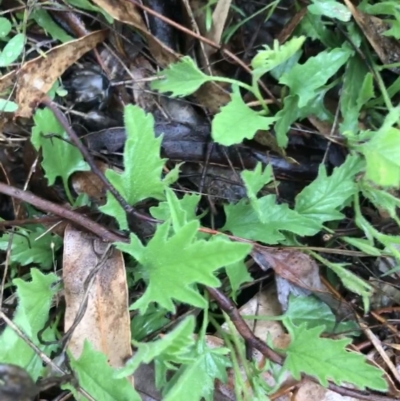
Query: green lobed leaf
[328, 359]
[238, 274]
[181, 79]
[142, 175]
[34, 302]
[236, 121]
[285, 118]
[60, 158]
[354, 76]
[325, 196]
[173, 347]
[196, 380]
[12, 50]
[304, 79]
[269, 58]
[352, 282]
[363, 245]
[244, 221]
[32, 247]
[381, 155]
[188, 204]
[255, 180]
[382, 200]
[100, 381]
[178, 263]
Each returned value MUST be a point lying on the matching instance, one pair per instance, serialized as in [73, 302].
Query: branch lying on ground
[63, 212]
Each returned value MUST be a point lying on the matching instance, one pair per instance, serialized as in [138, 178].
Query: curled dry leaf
[106, 322]
[387, 48]
[37, 76]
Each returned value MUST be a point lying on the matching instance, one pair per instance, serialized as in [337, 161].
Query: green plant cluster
[179, 259]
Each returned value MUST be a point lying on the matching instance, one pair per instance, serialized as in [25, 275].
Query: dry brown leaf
[87, 182]
[219, 17]
[106, 321]
[310, 391]
[387, 48]
[125, 11]
[37, 76]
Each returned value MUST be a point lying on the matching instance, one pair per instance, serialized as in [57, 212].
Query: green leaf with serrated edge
[281, 69]
[32, 247]
[237, 274]
[100, 382]
[255, 180]
[181, 79]
[291, 112]
[363, 245]
[177, 213]
[349, 280]
[34, 302]
[304, 79]
[60, 158]
[330, 9]
[143, 165]
[311, 311]
[7, 106]
[173, 347]
[12, 50]
[43, 19]
[285, 118]
[5, 27]
[188, 204]
[325, 195]
[327, 359]
[243, 221]
[196, 380]
[353, 282]
[236, 121]
[353, 78]
[381, 199]
[178, 263]
[269, 58]
[381, 155]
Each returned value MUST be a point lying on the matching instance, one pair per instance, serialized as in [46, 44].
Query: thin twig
[66, 214]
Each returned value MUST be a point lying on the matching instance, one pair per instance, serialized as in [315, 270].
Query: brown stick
[58, 210]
